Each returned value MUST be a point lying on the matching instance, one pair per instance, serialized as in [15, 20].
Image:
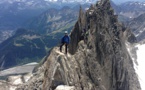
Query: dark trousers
[65, 47]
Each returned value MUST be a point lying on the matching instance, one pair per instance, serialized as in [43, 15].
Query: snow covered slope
[28, 68]
[137, 53]
[64, 1]
[140, 70]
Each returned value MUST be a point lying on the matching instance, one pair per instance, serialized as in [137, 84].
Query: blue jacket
[65, 39]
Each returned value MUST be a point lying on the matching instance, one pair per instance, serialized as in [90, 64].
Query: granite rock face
[97, 58]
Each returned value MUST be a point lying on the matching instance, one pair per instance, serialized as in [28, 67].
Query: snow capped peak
[69, 1]
[49, 0]
[35, 4]
[135, 3]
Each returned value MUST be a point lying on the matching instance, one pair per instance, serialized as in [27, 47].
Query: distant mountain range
[20, 13]
[14, 13]
[129, 10]
[32, 2]
[137, 25]
[132, 9]
[39, 4]
[43, 32]
[24, 47]
[56, 20]
[45, 28]
[133, 15]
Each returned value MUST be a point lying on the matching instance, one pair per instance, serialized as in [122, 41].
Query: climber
[65, 41]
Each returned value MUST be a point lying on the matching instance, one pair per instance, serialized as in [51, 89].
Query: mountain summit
[97, 58]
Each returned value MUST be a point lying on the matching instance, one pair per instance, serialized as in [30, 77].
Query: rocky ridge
[97, 58]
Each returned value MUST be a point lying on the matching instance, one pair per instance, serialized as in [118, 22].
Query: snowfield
[28, 68]
[140, 70]
[139, 61]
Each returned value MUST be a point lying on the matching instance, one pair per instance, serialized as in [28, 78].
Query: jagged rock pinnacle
[97, 58]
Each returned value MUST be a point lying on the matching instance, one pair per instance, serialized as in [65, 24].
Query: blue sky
[121, 1]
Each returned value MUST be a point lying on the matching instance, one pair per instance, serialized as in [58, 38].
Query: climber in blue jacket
[65, 41]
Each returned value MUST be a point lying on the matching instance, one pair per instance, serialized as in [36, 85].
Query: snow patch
[17, 81]
[27, 77]
[33, 63]
[30, 3]
[12, 88]
[64, 87]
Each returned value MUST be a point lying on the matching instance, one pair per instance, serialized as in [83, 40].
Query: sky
[121, 1]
